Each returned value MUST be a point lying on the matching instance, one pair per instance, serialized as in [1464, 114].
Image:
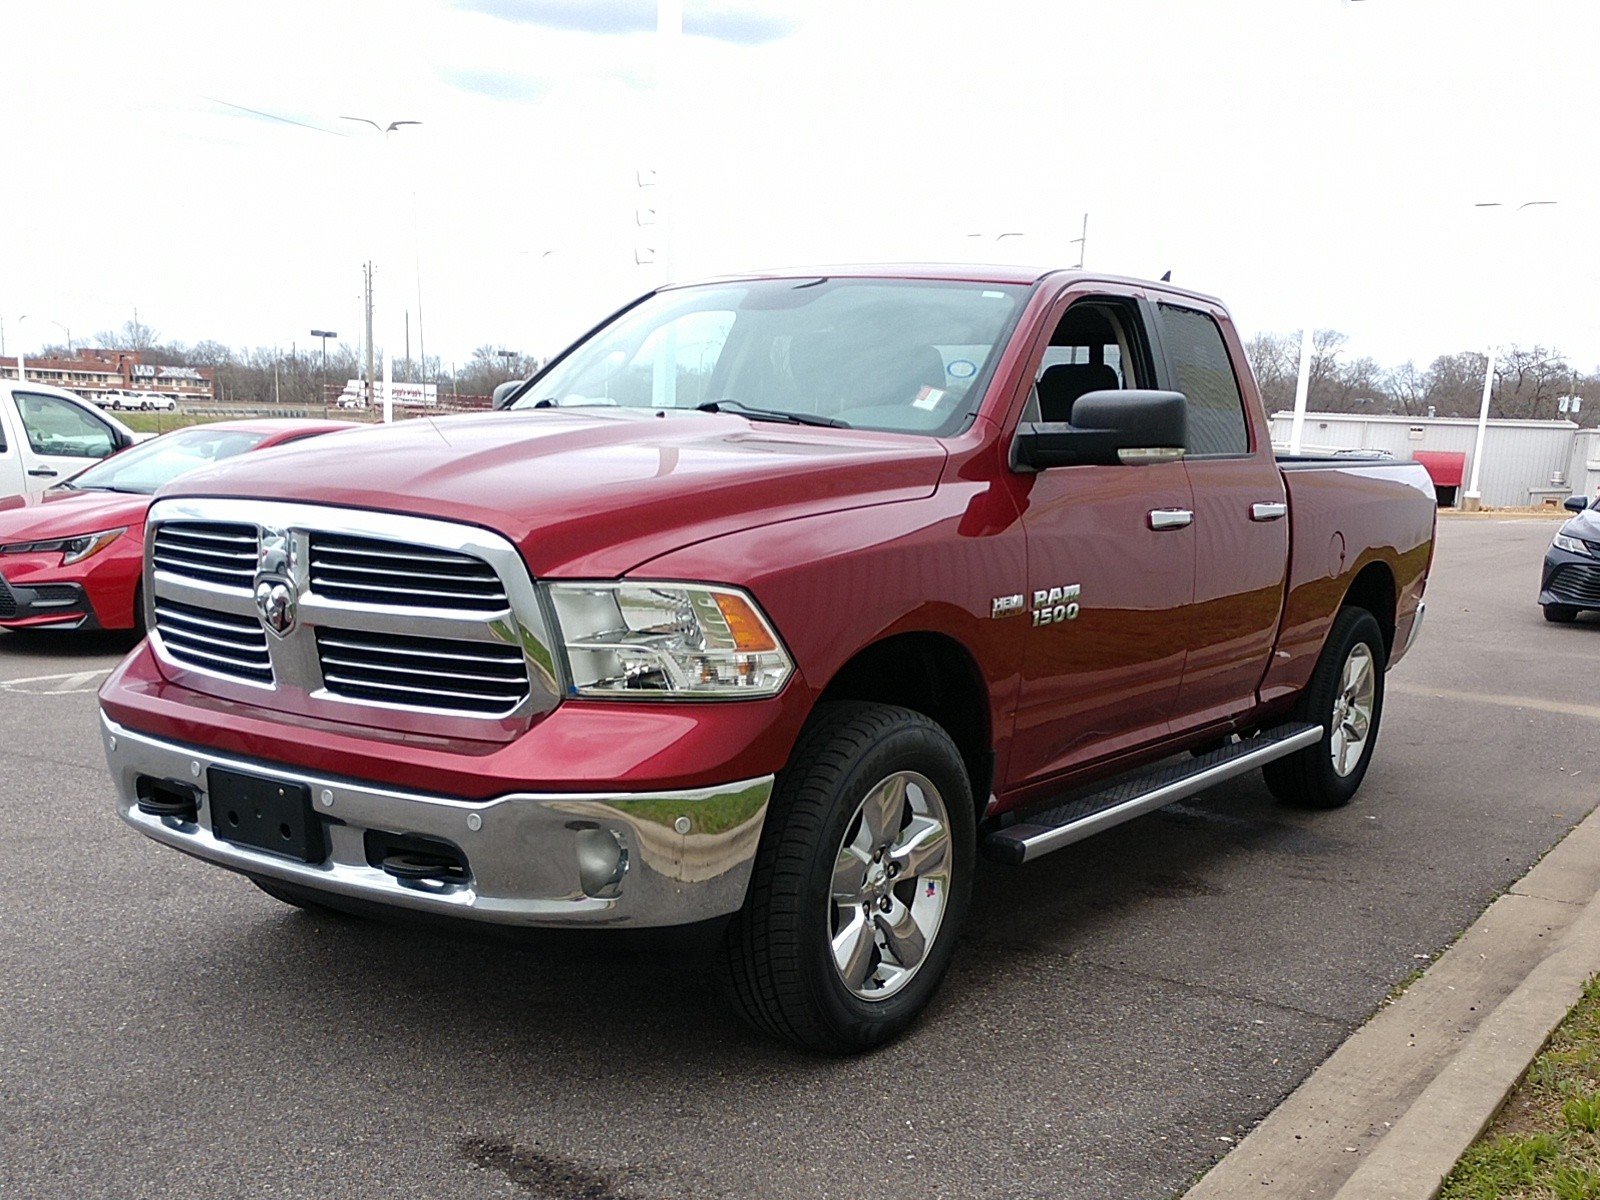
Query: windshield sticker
[928, 398]
[962, 368]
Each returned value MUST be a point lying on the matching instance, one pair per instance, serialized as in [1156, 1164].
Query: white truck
[48, 433]
[356, 394]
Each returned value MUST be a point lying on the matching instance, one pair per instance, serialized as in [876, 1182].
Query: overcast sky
[1299, 158]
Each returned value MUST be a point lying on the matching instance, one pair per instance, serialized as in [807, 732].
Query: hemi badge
[1004, 606]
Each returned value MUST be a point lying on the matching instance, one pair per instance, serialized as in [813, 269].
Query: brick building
[95, 374]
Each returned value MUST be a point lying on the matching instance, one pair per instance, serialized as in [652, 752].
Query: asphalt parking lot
[1118, 1012]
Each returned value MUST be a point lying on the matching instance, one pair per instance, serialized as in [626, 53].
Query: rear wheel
[860, 884]
[1561, 614]
[1345, 697]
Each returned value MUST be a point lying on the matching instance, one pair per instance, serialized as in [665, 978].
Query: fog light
[602, 862]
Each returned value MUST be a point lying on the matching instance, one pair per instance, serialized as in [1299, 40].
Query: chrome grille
[214, 641]
[399, 622]
[423, 672]
[211, 552]
[376, 571]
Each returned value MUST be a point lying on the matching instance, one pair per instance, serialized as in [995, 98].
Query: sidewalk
[1387, 1116]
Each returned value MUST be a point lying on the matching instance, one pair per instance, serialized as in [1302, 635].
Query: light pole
[22, 370]
[393, 259]
[1473, 498]
[324, 335]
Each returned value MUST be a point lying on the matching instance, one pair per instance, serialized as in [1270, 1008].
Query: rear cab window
[1203, 372]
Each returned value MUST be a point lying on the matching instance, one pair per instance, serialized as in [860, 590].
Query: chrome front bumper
[533, 858]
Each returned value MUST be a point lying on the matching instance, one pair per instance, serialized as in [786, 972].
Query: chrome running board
[1135, 795]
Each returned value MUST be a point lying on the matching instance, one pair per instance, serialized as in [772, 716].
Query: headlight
[1572, 545]
[667, 640]
[72, 549]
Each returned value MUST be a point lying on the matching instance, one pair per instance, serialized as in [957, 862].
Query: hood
[46, 515]
[592, 493]
[1585, 525]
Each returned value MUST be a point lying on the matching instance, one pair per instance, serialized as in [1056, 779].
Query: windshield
[145, 467]
[907, 356]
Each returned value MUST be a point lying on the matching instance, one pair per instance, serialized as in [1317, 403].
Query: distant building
[1525, 463]
[93, 374]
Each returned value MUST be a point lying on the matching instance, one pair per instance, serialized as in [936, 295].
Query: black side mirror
[1575, 503]
[1107, 428]
[503, 393]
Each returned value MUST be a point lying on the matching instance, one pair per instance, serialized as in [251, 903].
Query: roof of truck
[1001, 273]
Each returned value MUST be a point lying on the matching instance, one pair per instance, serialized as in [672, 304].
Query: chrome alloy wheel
[891, 883]
[1351, 721]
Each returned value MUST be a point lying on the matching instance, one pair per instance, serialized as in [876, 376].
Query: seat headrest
[1061, 385]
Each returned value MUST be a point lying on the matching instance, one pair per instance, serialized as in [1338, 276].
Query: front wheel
[1345, 697]
[860, 884]
[1561, 614]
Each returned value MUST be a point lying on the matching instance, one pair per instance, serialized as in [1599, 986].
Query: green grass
[162, 422]
[1545, 1144]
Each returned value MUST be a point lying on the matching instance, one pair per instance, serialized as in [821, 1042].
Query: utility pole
[1082, 241]
[371, 394]
[408, 341]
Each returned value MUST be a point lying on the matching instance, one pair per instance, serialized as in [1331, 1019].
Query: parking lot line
[71, 683]
[1592, 711]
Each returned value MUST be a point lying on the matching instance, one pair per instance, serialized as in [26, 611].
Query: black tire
[1560, 614]
[140, 627]
[777, 966]
[1307, 778]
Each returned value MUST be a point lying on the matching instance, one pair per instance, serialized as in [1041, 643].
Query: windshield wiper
[770, 414]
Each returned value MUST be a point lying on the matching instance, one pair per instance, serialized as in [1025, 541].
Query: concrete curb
[1389, 1113]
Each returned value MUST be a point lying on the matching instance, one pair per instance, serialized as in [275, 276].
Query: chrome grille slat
[355, 664]
[189, 533]
[330, 641]
[326, 586]
[324, 566]
[398, 554]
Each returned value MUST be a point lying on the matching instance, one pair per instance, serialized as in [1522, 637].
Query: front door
[1110, 563]
[59, 438]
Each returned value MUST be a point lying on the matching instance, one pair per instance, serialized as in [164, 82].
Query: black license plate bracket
[265, 814]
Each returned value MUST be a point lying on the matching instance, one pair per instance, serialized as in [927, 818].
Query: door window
[1097, 346]
[58, 427]
[1205, 375]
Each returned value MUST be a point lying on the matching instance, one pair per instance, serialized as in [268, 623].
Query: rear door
[58, 437]
[1110, 561]
[1241, 525]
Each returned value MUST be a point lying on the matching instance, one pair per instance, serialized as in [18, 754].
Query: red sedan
[72, 557]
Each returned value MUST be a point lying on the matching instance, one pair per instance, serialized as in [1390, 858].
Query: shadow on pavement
[47, 644]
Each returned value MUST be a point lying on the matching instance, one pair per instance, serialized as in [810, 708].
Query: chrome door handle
[1170, 518]
[1268, 512]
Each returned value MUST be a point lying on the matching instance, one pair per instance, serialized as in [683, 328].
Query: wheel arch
[1374, 589]
[933, 674]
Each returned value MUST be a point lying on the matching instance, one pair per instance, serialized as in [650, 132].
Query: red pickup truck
[771, 601]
